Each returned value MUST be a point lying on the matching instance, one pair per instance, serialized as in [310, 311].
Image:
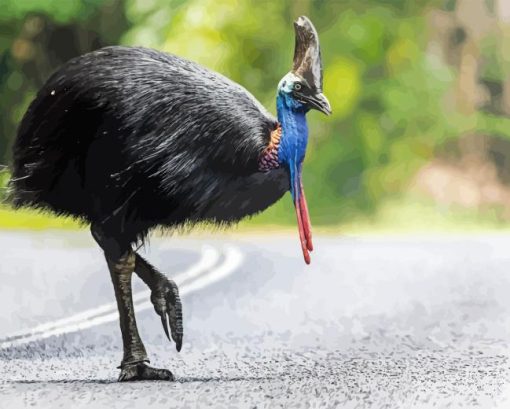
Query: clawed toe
[143, 372]
[167, 304]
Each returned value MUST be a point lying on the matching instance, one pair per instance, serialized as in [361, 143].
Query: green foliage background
[391, 115]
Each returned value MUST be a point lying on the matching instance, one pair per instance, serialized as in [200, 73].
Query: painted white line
[209, 258]
[233, 260]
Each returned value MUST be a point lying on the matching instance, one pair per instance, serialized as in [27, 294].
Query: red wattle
[305, 216]
[303, 219]
[302, 236]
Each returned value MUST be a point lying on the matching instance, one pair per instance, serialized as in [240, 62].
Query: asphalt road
[410, 322]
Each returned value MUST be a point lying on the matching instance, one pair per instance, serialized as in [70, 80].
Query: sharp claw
[176, 327]
[177, 332]
[165, 326]
[175, 317]
[170, 312]
[178, 342]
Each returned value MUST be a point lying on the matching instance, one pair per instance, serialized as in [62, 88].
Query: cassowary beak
[317, 101]
[308, 65]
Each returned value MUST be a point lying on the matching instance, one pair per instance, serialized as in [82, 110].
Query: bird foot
[143, 372]
[167, 303]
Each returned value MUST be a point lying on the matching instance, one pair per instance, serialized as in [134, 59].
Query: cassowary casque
[128, 139]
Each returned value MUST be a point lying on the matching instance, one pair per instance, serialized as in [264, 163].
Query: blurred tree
[377, 76]
[36, 36]
[404, 77]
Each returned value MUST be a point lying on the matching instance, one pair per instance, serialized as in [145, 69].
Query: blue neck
[291, 153]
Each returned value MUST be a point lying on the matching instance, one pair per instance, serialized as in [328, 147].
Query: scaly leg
[121, 263]
[164, 297]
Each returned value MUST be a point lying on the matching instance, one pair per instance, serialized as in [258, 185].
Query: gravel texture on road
[403, 322]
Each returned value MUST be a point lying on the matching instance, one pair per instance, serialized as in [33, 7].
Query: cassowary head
[299, 91]
[301, 88]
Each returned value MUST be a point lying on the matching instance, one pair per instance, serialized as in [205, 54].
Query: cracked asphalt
[373, 322]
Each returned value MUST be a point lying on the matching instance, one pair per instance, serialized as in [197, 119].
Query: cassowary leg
[164, 297]
[121, 263]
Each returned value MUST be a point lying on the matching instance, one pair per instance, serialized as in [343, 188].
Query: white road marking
[233, 260]
[209, 258]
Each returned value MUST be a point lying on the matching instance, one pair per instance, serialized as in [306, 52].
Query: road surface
[402, 322]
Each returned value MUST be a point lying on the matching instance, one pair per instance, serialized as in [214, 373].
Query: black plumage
[128, 139]
[137, 138]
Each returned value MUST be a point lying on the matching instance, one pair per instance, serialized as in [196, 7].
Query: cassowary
[128, 139]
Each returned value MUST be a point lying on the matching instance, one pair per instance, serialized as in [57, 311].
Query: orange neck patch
[268, 159]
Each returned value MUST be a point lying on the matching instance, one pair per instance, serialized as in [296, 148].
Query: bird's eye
[297, 86]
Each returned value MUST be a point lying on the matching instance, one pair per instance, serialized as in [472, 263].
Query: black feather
[134, 138]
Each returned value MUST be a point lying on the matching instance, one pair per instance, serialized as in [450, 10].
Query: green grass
[409, 215]
[405, 215]
[402, 216]
[25, 219]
